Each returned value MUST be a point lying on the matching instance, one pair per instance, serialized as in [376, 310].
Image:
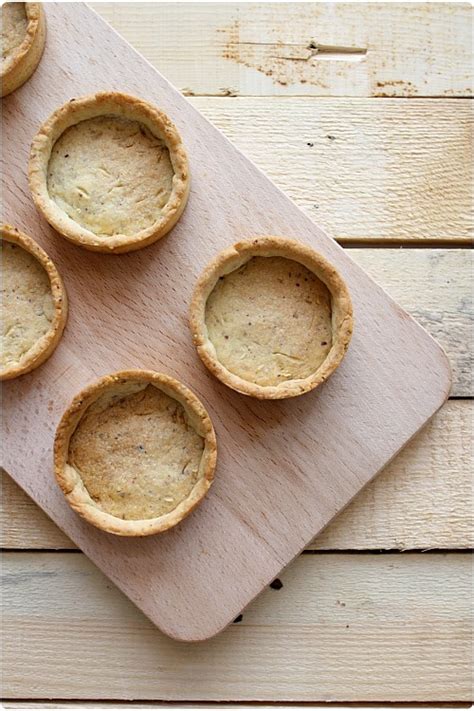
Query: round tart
[109, 172]
[271, 318]
[23, 38]
[135, 453]
[33, 306]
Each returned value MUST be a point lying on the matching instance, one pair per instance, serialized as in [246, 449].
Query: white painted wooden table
[361, 113]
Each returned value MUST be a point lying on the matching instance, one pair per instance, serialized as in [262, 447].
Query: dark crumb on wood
[310, 144]
[324, 343]
[331, 138]
[239, 618]
[66, 155]
[276, 584]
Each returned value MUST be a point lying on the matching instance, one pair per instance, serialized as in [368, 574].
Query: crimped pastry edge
[91, 106]
[45, 345]
[72, 485]
[232, 258]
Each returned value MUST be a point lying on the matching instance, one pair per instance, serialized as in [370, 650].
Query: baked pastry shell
[87, 107]
[45, 345]
[70, 480]
[234, 257]
[23, 62]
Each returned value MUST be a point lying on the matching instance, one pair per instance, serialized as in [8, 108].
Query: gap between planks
[402, 508]
[400, 243]
[341, 628]
[260, 705]
[403, 50]
[420, 501]
[364, 170]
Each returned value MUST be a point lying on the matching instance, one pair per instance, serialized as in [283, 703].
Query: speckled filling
[14, 26]
[138, 455]
[110, 175]
[270, 321]
[27, 307]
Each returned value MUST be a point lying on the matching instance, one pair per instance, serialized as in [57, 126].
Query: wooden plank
[126, 705]
[435, 286]
[268, 500]
[208, 706]
[319, 49]
[344, 627]
[42, 705]
[421, 501]
[362, 169]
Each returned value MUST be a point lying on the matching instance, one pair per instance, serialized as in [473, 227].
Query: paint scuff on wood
[288, 62]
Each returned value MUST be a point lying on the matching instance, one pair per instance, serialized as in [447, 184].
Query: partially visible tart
[271, 318]
[33, 304]
[109, 172]
[135, 453]
[23, 38]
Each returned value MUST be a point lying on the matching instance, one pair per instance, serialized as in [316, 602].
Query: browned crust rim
[45, 345]
[77, 110]
[72, 485]
[23, 62]
[230, 259]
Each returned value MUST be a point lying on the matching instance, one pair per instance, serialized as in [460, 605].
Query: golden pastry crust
[23, 43]
[271, 318]
[34, 304]
[109, 172]
[135, 453]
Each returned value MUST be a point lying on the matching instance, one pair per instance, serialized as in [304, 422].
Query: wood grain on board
[393, 512]
[344, 627]
[363, 169]
[422, 500]
[268, 499]
[319, 49]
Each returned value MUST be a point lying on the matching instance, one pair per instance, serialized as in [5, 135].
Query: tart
[271, 318]
[109, 172]
[33, 305]
[23, 38]
[135, 453]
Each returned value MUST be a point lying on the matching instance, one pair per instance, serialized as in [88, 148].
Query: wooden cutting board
[285, 468]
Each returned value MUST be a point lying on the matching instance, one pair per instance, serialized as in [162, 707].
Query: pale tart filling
[14, 25]
[270, 321]
[137, 454]
[110, 175]
[27, 308]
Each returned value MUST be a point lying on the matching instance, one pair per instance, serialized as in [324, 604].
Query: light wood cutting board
[285, 468]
